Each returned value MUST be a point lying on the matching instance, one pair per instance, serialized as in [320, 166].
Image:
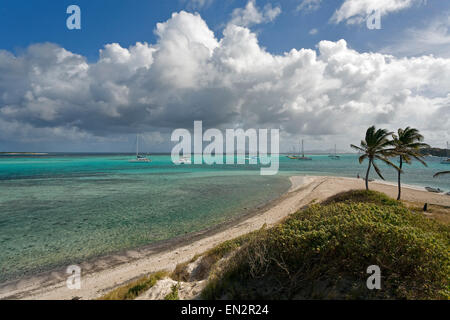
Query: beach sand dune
[103, 275]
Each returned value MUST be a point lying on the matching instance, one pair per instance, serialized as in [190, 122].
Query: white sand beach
[103, 275]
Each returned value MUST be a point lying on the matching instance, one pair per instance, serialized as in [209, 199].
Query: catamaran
[334, 156]
[446, 161]
[303, 154]
[139, 158]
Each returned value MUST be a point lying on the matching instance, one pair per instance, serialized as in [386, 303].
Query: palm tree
[407, 143]
[441, 173]
[374, 148]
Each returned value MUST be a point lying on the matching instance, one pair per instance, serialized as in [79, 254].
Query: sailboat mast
[137, 145]
[303, 149]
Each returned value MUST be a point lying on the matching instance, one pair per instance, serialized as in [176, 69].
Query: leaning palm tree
[441, 173]
[374, 147]
[407, 143]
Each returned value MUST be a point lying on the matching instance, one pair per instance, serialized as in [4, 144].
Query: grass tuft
[134, 289]
[173, 295]
[210, 258]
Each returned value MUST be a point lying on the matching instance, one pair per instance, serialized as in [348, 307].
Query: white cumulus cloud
[356, 11]
[251, 14]
[48, 93]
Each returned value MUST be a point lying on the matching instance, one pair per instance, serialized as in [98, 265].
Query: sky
[311, 68]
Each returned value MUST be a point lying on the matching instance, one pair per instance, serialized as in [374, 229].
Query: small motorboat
[184, 160]
[434, 190]
[140, 158]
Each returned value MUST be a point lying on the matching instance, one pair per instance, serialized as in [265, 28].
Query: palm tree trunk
[367, 174]
[399, 179]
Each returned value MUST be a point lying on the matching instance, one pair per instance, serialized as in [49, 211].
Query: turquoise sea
[61, 209]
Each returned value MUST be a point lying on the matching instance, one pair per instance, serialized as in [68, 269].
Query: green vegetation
[362, 196]
[324, 251]
[134, 289]
[173, 295]
[374, 147]
[407, 144]
[210, 258]
[437, 152]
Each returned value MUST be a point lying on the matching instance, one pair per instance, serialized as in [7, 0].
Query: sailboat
[139, 158]
[303, 153]
[292, 156]
[446, 161]
[335, 156]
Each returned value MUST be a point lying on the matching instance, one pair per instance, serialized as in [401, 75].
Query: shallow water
[62, 209]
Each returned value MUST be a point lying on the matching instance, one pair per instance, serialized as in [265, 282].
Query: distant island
[23, 154]
[437, 152]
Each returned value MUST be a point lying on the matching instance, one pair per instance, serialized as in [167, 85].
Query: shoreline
[105, 274]
[99, 262]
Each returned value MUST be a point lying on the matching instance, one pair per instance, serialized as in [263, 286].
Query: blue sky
[247, 63]
[24, 22]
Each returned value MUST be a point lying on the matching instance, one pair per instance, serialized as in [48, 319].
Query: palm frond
[388, 162]
[441, 173]
[362, 158]
[357, 148]
[377, 170]
[408, 143]
[418, 145]
[420, 159]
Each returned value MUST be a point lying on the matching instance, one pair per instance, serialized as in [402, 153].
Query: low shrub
[324, 251]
